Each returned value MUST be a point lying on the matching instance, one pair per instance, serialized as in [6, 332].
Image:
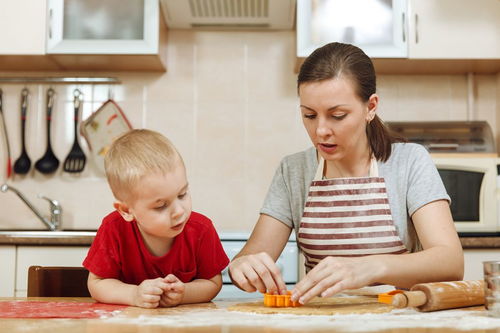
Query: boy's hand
[148, 293]
[174, 293]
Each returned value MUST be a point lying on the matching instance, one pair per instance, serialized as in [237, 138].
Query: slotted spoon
[75, 161]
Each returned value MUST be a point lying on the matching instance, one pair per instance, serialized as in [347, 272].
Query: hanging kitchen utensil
[5, 135]
[23, 163]
[75, 161]
[101, 128]
[49, 162]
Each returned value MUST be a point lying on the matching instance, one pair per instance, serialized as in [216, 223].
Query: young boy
[153, 250]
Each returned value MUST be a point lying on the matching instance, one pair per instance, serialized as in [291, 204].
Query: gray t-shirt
[411, 179]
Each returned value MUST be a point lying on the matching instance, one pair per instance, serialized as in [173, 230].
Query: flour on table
[398, 318]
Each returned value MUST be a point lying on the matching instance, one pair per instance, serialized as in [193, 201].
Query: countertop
[214, 317]
[46, 237]
[85, 238]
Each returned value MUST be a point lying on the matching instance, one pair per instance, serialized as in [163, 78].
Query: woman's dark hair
[336, 60]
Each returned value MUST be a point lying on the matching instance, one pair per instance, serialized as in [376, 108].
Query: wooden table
[213, 317]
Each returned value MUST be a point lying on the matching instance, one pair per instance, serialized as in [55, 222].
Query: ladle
[49, 162]
[23, 163]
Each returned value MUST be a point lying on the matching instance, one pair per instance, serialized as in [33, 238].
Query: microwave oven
[471, 183]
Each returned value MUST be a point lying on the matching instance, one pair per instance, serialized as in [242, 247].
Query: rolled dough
[321, 306]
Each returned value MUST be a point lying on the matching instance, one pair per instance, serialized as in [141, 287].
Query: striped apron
[347, 217]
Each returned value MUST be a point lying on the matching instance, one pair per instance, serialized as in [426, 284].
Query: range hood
[229, 14]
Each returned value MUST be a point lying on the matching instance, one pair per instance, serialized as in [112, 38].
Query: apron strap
[319, 170]
[373, 167]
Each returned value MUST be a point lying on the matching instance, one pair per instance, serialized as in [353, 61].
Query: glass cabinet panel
[376, 26]
[97, 19]
[103, 27]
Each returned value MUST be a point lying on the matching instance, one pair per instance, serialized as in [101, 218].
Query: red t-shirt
[118, 251]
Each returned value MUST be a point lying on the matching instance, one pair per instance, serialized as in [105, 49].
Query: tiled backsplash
[229, 104]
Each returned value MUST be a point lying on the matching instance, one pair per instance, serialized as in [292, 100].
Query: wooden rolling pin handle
[441, 295]
[409, 299]
[449, 295]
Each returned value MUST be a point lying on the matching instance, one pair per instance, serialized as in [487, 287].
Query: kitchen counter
[214, 317]
[46, 237]
[70, 237]
[480, 242]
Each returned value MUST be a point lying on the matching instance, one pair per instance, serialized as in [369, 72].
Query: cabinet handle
[403, 27]
[50, 23]
[416, 28]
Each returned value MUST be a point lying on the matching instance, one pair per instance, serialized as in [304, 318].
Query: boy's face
[161, 204]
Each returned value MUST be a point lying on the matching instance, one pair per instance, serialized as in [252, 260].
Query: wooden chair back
[45, 281]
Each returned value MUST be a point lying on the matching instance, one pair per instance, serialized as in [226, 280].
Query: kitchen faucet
[55, 208]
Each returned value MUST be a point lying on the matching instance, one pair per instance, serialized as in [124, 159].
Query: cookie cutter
[387, 298]
[280, 301]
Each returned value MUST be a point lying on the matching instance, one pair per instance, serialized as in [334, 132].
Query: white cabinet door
[7, 270]
[376, 26]
[103, 27]
[23, 25]
[45, 256]
[474, 262]
[454, 29]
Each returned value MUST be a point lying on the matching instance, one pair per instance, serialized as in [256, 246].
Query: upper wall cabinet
[407, 36]
[377, 26]
[102, 27]
[454, 29]
[23, 27]
[83, 35]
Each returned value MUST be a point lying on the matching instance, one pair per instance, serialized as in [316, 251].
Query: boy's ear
[124, 211]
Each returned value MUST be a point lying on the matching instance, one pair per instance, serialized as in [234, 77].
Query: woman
[366, 207]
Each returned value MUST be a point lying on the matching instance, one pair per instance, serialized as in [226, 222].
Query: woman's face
[335, 117]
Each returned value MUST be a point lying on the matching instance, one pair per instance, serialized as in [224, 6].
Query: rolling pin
[441, 295]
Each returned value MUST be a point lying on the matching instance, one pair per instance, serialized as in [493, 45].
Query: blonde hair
[135, 154]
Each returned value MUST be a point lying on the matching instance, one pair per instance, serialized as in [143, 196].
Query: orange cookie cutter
[387, 297]
[280, 301]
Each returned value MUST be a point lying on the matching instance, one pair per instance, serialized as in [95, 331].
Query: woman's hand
[174, 293]
[334, 274]
[257, 272]
[148, 293]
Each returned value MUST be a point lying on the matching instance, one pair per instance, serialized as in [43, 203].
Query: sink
[47, 233]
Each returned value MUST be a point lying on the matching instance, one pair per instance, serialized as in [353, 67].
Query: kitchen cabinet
[20, 258]
[428, 36]
[7, 270]
[103, 27]
[22, 41]
[23, 27]
[473, 258]
[377, 26]
[451, 29]
[88, 35]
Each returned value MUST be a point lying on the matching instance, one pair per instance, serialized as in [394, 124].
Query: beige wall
[228, 102]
